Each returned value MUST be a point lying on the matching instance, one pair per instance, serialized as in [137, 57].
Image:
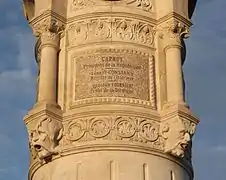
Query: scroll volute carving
[178, 135]
[29, 8]
[44, 139]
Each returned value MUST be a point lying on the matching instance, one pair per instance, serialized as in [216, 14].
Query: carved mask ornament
[45, 138]
[177, 138]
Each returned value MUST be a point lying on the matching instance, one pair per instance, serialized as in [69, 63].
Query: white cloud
[21, 78]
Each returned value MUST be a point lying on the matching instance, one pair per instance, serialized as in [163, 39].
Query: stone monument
[110, 90]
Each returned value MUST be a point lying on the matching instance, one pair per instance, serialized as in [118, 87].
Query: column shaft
[48, 69]
[174, 75]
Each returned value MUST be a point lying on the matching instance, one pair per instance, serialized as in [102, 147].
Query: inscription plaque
[112, 74]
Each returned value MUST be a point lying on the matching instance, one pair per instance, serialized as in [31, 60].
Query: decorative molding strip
[145, 5]
[121, 128]
[110, 29]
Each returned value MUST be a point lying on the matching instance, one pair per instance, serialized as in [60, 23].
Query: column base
[175, 103]
[47, 103]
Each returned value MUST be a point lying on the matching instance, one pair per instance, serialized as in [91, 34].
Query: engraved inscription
[112, 75]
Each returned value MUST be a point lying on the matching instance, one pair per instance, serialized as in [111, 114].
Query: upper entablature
[34, 8]
[183, 8]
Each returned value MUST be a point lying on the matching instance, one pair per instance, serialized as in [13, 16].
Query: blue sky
[205, 75]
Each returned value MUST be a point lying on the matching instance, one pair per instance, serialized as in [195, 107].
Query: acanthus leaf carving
[173, 31]
[112, 29]
[45, 138]
[48, 25]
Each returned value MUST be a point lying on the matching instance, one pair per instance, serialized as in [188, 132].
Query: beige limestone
[110, 94]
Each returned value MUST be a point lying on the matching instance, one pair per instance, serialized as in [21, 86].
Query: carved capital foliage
[50, 39]
[145, 5]
[177, 133]
[173, 32]
[48, 25]
[118, 128]
[110, 29]
[49, 30]
[44, 139]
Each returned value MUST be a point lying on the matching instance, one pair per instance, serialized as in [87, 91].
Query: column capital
[49, 30]
[47, 25]
[172, 32]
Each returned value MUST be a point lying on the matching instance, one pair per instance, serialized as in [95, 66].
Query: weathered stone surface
[110, 93]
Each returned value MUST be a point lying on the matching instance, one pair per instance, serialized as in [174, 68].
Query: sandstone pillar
[117, 80]
[49, 33]
[48, 71]
[174, 33]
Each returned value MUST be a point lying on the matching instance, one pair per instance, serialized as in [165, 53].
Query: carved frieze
[44, 139]
[113, 76]
[178, 134]
[133, 129]
[110, 29]
[145, 5]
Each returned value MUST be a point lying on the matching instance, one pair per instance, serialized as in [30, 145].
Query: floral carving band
[110, 29]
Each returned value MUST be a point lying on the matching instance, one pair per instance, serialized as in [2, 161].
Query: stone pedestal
[110, 91]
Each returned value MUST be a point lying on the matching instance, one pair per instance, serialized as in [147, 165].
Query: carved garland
[124, 128]
[106, 29]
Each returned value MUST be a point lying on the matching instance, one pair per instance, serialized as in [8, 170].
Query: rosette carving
[100, 127]
[125, 127]
[149, 130]
[117, 128]
[75, 131]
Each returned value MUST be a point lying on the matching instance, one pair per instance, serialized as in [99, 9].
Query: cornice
[174, 16]
[111, 15]
[180, 111]
[37, 112]
[152, 115]
[47, 14]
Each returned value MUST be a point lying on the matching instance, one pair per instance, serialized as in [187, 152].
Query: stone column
[48, 72]
[172, 48]
[49, 32]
